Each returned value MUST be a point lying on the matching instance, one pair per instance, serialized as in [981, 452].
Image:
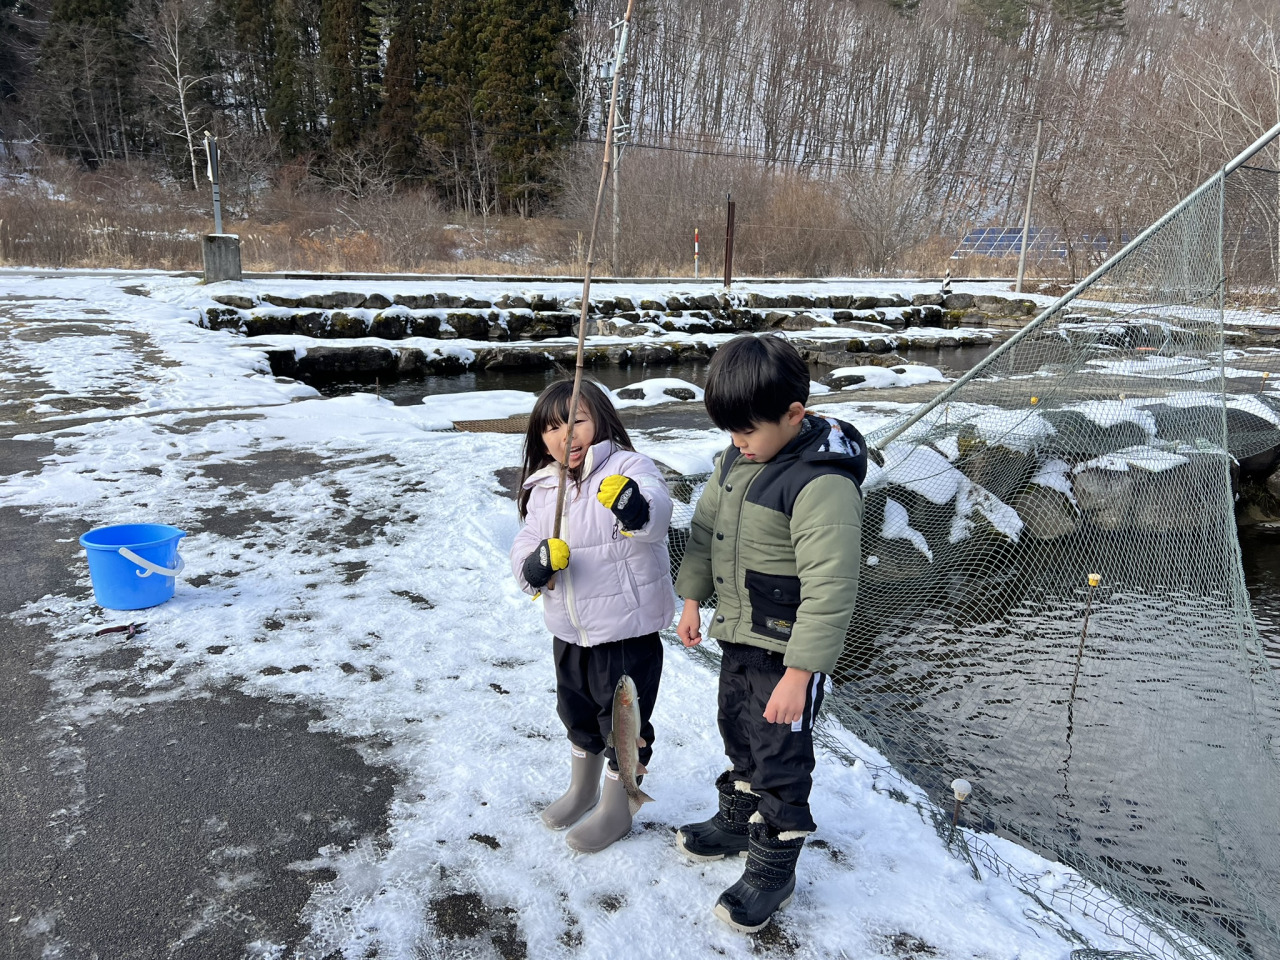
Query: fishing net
[1123, 724]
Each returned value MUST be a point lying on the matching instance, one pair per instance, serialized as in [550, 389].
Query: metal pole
[613, 257]
[586, 277]
[1079, 288]
[211, 147]
[728, 246]
[1026, 214]
[695, 253]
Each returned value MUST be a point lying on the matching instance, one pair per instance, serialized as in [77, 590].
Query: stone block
[260, 325]
[223, 318]
[388, 326]
[345, 326]
[423, 325]
[423, 301]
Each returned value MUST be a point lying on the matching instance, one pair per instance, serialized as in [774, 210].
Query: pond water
[948, 685]
[409, 391]
[950, 360]
[1260, 551]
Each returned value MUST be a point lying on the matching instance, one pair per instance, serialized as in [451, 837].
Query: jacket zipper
[568, 581]
[743, 608]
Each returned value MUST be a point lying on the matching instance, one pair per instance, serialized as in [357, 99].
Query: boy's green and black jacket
[780, 544]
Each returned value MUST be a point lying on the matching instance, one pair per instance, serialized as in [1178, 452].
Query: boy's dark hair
[754, 380]
[552, 410]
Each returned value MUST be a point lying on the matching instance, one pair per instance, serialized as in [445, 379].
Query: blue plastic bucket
[133, 565]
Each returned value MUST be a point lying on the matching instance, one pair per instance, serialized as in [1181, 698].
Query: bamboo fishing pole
[619, 56]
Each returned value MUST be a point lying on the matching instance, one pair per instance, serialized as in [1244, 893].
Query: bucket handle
[148, 568]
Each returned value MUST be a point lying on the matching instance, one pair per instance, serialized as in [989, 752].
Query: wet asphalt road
[119, 833]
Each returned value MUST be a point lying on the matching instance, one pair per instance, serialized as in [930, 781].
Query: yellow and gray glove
[622, 496]
[540, 566]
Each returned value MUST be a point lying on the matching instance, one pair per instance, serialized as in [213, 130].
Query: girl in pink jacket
[610, 596]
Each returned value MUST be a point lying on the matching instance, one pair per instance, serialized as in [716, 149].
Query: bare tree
[170, 31]
[363, 170]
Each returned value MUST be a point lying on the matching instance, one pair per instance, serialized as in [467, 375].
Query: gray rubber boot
[583, 792]
[610, 821]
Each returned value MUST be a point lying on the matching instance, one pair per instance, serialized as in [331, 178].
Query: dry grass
[131, 217]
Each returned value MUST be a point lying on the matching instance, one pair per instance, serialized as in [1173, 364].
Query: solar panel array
[1043, 243]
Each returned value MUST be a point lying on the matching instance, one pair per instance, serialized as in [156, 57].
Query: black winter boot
[768, 881]
[725, 834]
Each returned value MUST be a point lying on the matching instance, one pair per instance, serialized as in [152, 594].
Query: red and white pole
[695, 253]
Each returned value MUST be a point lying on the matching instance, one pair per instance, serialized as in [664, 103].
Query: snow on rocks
[656, 390]
[874, 378]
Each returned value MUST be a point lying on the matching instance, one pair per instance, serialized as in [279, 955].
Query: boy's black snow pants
[585, 681]
[775, 758]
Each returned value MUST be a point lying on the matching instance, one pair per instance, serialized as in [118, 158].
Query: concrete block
[221, 257]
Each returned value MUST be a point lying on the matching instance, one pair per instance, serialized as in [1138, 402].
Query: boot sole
[702, 857]
[722, 913]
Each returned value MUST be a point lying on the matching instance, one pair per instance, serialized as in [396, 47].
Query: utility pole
[1026, 215]
[620, 131]
[728, 246]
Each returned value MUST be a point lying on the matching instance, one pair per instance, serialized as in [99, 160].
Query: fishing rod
[618, 58]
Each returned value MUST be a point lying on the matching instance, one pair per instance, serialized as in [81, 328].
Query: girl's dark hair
[552, 410]
[753, 380]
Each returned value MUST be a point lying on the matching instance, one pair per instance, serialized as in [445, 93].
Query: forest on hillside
[855, 136]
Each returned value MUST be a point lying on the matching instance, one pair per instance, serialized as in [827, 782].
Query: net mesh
[1124, 728]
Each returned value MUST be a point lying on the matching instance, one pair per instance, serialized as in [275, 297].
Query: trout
[625, 740]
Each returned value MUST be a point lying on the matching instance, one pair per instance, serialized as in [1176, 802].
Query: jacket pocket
[774, 600]
[629, 584]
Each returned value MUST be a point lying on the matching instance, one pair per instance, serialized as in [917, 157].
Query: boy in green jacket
[776, 537]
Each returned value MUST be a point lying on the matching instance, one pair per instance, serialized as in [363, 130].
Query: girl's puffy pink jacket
[615, 586]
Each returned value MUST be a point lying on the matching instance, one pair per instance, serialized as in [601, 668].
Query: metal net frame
[1052, 603]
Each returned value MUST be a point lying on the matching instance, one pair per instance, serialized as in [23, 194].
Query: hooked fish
[626, 741]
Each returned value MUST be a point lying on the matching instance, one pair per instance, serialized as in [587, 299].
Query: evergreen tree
[1005, 19]
[344, 26]
[85, 75]
[252, 56]
[18, 42]
[383, 16]
[496, 102]
[1092, 14]
[286, 111]
[524, 96]
[445, 116]
[401, 82]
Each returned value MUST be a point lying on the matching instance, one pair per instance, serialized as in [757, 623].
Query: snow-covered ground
[375, 587]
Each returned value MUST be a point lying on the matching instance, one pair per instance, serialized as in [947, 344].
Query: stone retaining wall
[512, 317]
[514, 323]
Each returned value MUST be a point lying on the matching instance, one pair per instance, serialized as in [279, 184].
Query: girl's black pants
[585, 681]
